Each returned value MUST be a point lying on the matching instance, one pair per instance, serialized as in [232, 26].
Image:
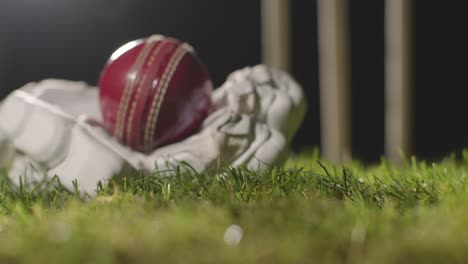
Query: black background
[72, 39]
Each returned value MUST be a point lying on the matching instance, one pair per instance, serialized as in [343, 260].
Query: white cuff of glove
[35, 128]
[54, 143]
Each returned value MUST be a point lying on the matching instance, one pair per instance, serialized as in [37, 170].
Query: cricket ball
[153, 92]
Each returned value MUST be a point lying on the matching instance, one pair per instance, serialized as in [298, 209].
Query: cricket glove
[54, 128]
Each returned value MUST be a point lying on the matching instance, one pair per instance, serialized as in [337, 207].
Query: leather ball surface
[153, 92]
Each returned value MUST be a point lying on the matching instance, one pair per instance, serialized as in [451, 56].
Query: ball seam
[159, 97]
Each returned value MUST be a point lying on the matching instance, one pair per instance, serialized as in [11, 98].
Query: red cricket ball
[153, 92]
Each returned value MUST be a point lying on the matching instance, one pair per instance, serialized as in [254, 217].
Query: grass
[310, 211]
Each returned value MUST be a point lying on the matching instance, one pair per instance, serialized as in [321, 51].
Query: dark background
[72, 39]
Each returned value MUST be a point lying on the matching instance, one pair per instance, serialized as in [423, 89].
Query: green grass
[310, 211]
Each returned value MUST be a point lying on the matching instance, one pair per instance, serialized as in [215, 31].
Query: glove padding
[53, 128]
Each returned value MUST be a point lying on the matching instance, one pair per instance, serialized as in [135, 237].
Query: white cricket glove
[52, 128]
